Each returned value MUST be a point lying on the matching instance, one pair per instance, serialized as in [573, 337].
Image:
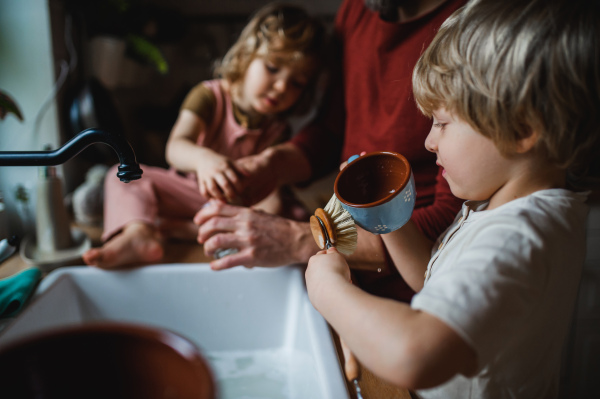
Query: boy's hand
[218, 178]
[326, 269]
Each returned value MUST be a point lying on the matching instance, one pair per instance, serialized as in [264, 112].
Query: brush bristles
[345, 228]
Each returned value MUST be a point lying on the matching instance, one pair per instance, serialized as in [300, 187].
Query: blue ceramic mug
[378, 190]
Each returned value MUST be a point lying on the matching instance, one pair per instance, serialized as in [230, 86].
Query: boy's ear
[525, 144]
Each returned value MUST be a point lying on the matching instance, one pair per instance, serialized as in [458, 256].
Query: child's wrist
[323, 287]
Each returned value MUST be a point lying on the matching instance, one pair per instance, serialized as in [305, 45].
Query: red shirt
[370, 106]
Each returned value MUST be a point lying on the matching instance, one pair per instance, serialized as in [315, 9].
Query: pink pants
[160, 193]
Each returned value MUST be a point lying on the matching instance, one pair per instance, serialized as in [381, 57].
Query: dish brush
[333, 226]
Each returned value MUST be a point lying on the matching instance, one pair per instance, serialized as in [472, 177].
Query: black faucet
[129, 169]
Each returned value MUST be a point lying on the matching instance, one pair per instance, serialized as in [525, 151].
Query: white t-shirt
[506, 281]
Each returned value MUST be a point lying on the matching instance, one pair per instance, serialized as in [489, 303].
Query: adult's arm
[275, 166]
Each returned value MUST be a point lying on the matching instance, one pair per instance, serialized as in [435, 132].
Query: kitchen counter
[185, 252]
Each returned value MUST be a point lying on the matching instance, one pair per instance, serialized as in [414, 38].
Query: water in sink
[264, 374]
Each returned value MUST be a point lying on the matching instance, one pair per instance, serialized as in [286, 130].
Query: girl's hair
[511, 67]
[279, 28]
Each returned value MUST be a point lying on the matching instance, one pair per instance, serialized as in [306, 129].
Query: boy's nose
[430, 142]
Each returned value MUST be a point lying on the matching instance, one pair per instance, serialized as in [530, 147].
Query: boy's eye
[439, 125]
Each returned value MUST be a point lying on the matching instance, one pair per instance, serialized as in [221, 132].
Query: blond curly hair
[282, 29]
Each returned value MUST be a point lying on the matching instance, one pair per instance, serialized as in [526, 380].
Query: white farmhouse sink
[256, 327]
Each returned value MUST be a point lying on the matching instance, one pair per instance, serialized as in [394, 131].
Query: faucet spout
[128, 169]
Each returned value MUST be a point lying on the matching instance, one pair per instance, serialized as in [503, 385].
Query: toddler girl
[269, 74]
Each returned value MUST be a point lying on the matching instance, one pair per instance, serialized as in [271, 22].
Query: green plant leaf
[146, 52]
[8, 105]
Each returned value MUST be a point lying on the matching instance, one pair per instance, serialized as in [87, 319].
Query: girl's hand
[218, 178]
[325, 270]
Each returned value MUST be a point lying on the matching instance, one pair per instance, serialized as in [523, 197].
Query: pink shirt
[227, 137]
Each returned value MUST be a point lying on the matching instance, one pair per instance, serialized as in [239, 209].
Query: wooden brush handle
[331, 231]
[317, 232]
[351, 367]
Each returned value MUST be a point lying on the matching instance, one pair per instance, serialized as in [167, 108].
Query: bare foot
[136, 243]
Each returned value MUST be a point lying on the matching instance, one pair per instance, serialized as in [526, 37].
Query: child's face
[471, 162]
[273, 85]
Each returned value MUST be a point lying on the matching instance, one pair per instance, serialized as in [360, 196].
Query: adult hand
[261, 239]
[219, 178]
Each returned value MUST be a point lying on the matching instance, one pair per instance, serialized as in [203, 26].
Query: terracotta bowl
[105, 360]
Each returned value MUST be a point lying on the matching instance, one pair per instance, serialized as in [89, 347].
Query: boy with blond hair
[513, 88]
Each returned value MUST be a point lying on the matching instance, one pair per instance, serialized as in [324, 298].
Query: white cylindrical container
[53, 225]
[3, 219]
